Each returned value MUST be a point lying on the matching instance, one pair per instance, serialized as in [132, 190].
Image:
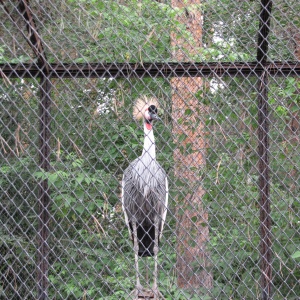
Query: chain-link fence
[226, 78]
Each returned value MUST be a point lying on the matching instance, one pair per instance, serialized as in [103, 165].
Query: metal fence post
[44, 197]
[263, 152]
[264, 188]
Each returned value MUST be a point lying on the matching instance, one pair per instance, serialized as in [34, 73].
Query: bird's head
[146, 109]
[150, 115]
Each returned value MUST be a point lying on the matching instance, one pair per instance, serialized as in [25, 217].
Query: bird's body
[145, 196]
[145, 185]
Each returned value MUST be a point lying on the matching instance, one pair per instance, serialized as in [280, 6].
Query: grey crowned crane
[145, 195]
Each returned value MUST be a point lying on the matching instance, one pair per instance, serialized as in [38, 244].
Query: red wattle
[148, 126]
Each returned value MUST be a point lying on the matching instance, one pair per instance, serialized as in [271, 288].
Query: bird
[145, 195]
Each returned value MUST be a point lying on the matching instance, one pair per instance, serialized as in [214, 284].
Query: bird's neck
[149, 143]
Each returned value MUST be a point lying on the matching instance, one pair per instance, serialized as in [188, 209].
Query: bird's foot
[138, 293]
[157, 295]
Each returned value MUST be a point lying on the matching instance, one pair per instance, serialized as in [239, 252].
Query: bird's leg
[156, 292]
[136, 259]
[147, 269]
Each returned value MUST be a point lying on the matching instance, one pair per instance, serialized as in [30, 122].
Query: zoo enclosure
[38, 176]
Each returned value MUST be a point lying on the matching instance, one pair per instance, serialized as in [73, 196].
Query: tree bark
[294, 123]
[192, 230]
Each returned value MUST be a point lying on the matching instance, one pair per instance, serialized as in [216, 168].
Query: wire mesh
[229, 145]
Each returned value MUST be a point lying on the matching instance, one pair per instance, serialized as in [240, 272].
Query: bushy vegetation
[231, 182]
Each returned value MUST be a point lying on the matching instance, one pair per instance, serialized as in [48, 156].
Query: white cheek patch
[147, 115]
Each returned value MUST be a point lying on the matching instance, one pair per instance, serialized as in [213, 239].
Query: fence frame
[261, 69]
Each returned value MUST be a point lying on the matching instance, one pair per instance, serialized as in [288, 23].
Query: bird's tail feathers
[146, 237]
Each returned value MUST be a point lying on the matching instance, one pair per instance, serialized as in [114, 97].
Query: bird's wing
[164, 214]
[123, 205]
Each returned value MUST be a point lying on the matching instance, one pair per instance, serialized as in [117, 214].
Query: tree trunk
[188, 128]
[294, 122]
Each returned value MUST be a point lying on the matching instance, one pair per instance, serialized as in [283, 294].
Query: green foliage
[18, 222]
[123, 31]
[232, 193]
[77, 192]
[235, 24]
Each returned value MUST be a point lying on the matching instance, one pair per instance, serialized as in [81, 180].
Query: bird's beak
[154, 116]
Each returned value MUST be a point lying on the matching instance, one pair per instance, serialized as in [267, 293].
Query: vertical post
[263, 152]
[264, 29]
[36, 44]
[44, 197]
[264, 188]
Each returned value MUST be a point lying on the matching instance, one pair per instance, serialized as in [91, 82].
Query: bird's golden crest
[141, 105]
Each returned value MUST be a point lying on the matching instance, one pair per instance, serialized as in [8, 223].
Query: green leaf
[80, 178]
[194, 219]
[79, 209]
[296, 255]
[182, 137]
[39, 175]
[52, 177]
[188, 112]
